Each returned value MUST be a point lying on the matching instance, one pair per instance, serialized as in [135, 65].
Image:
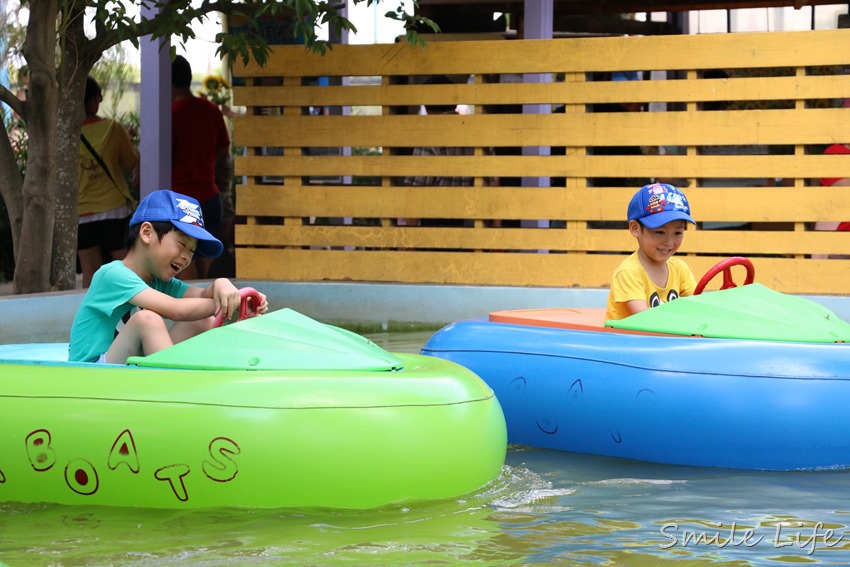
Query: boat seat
[584, 319]
[577, 319]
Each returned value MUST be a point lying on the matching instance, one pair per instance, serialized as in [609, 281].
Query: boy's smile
[657, 245]
[181, 247]
[171, 254]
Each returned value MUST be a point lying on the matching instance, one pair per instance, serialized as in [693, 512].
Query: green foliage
[216, 90]
[308, 15]
[17, 133]
[113, 72]
[412, 22]
[131, 121]
[14, 35]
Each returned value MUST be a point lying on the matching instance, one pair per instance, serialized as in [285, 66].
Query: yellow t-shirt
[630, 281]
[99, 193]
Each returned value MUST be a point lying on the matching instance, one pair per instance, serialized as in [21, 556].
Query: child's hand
[226, 298]
[260, 309]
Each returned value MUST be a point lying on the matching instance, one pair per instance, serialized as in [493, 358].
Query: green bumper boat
[270, 412]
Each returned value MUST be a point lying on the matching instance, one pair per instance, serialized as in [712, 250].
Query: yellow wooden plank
[514, 269]
[757, 242]
[809, 126]
[708, 51]
[765, 204]
[417, 267]
[649, 166]
[425, 202]
[741, 243]
[737, 89]
[446, 238]
[752, 204]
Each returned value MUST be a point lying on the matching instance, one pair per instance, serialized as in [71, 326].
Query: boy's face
[658, 245]
[171, 254]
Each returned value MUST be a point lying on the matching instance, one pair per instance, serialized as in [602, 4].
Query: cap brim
[208, 245]
[662, 218]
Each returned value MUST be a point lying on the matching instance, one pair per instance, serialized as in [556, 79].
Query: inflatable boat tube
[274, 411]
[744, 378]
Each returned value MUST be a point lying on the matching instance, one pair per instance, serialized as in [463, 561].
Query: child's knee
[202, 325]
[147, 319]
[183, 330]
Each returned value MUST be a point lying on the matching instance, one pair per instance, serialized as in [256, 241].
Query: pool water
[547, 507]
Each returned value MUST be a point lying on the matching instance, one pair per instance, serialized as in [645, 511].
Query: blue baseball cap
[659, 203]
[184, 213]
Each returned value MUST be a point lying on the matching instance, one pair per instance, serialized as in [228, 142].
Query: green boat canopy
[280, 340]
[747, 312]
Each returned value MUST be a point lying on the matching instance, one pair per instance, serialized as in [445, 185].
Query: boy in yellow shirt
[658, 215]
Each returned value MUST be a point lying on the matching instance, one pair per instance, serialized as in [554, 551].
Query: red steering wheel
[725, 266]
[247, 294]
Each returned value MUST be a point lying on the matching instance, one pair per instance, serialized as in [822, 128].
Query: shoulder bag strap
[97, 157]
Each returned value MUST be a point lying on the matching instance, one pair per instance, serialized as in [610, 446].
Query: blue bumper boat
[744, 377]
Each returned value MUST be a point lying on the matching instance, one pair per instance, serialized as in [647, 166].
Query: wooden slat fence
[327, 168]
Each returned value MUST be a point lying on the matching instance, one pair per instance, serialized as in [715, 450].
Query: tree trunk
[32, 269]
[11, 189]
[74, 68]
[63, 273]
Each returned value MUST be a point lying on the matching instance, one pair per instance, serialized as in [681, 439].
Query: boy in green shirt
[166, 231]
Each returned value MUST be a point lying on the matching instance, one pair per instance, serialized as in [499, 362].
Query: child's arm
[226, 298]
[190, 307]
[224, 294]
[636, 305]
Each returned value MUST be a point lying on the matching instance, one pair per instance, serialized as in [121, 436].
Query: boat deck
[578, 319]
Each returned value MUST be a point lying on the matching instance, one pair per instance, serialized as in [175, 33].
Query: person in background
[835, 182]
[835, 149]
[105, 202]
[200, 154]
[658, 215]
[166, 231]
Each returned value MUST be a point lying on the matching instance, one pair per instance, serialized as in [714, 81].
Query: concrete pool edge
[362, 307]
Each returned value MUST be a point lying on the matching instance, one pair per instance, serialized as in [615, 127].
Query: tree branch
[16, 104]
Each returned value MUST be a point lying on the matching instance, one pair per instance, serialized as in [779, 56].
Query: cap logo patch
[656, 204]
[191, 213]
[663, 198]
[677, 200]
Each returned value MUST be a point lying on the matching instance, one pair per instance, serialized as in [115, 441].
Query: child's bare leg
[91, 259]
[144, 333]
[182, 330]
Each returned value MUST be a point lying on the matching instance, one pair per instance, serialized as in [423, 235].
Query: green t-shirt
[105, 303]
